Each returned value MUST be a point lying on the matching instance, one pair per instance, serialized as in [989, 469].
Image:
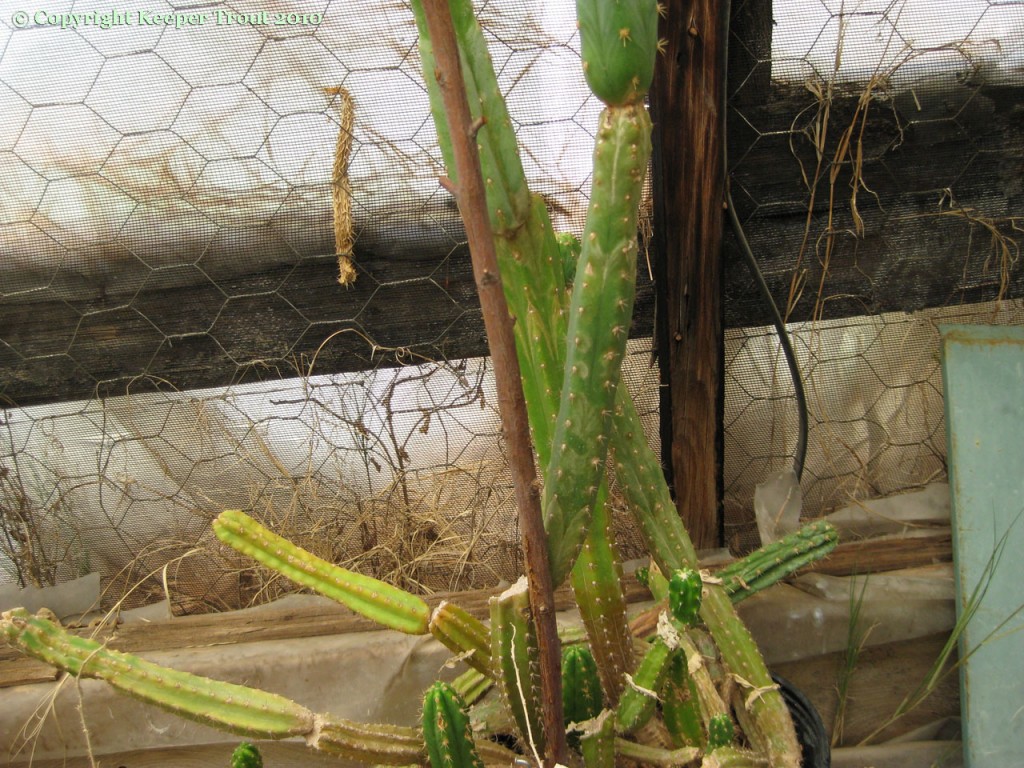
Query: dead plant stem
[511, 401]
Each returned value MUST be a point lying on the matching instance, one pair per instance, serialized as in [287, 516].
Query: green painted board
[983, 378]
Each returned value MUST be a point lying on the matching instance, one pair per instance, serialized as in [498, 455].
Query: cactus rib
[383, 603]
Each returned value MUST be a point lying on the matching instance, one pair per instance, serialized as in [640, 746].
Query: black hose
[800, 451]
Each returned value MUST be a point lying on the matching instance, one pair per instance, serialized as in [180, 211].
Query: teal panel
[983, 377]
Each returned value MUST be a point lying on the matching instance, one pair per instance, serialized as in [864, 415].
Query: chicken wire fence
[180, 181]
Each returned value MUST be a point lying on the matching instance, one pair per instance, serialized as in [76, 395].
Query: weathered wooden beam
[689, 184]
[277, 323]
[959, 146]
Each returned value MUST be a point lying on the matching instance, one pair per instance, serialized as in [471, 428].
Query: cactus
[246, 755]
[680, 707]
[597, 585]
[463, 634]
[233, 708]
[597, 741]
[514, 650]
[721, 732]
[446, 729]
[572, 304]
[619, 40]
[684, 596]
[599, 319]
[581, 686]
[387, 605]
[638, 700]
[773, 562]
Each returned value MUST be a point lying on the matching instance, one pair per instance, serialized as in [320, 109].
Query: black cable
[800, 451]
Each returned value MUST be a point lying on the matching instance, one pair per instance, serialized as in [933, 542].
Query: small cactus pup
[684, 596]
[721, 732]
[246, 755]
[581, 688]
[446, 729]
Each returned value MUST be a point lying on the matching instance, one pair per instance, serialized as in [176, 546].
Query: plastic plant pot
[810, 730]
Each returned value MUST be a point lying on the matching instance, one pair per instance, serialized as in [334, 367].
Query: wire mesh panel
[178, 187]
[894, 199]
[177, 174]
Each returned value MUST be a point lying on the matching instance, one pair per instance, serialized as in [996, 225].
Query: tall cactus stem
[680, 707]
[600, 313]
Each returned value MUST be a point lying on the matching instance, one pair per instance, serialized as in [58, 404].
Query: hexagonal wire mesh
[171, 188]
[894, 184]
[168, 211]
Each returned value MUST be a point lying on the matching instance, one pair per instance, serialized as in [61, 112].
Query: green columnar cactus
[446, 729]
[572, 309]
[464, 634]
[597, 741]
[721, 732]
[773, 562]
[387, 605]
[514, 651]
[246, 755]
[684, 596]
[599, 320]
[581, 686]
[619, 40]
[241, 710]
[680, 707]
[597, 585]
[638, 700]
[232, 708]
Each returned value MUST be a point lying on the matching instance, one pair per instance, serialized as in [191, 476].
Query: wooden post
[686, 103]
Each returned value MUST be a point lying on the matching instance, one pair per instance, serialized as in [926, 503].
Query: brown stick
[498, 324]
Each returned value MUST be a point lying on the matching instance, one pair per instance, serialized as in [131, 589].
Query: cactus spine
[446, 729]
